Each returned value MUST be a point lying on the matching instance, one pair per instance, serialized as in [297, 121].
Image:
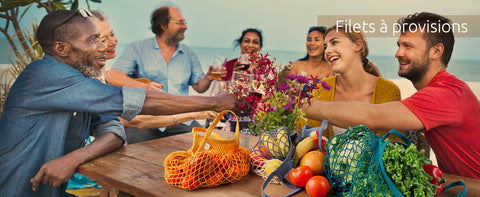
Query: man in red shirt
[444, 107]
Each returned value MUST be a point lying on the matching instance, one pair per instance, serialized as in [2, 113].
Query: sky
[216, 23]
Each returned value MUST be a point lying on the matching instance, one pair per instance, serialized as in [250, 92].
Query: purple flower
[302, 79]
[298, 78]
[270, 109]
[283, 88]
[325, 85]
[291, 76]
[288, 106]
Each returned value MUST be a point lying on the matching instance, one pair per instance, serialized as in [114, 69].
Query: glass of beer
[218, 64]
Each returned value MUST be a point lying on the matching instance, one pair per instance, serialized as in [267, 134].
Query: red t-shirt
[450, 112]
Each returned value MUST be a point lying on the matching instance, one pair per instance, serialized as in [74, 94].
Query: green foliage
[10, 4]
[405, 168]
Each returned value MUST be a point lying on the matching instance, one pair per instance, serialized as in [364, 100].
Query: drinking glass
[218, 62]
[243, 79]
[243, 61]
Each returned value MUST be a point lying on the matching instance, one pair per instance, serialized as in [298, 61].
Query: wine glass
[244, 62]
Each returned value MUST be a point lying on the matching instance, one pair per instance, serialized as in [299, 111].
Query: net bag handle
[379, 155]
[284, 168]
[214, 124]
[408, 142]
[457, 183]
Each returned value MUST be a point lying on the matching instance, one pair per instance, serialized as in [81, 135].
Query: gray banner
[387, 26]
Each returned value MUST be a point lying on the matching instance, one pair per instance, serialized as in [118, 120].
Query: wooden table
[137, 170]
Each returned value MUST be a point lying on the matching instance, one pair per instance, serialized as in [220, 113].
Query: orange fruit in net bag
[259, 155]
[315, 160]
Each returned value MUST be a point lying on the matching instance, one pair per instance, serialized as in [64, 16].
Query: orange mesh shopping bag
[211, 161]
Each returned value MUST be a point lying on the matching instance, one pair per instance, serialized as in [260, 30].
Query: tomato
[174, 160]
[190, 182]
[200, 165]
[221, 161]
[300, 175]
[174, 177]
[236, 172]
[317, 186]
[232, 175]
[215, 179]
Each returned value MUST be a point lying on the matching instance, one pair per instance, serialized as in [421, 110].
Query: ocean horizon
[466, 70]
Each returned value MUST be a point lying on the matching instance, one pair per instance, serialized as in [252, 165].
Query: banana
[303, 147]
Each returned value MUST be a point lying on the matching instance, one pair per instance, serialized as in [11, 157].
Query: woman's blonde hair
[352, 34]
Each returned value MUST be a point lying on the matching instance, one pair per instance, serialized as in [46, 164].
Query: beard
[417, 68]
[86, 70]
[175, 39]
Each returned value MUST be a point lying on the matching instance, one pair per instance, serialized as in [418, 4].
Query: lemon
[270, 143]
[271, 165]
[283, 143]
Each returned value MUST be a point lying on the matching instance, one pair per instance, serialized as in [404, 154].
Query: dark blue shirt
[50, 111]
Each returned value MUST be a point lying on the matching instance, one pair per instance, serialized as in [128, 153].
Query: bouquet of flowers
[284, 107]
[271, 105]
[256, 83]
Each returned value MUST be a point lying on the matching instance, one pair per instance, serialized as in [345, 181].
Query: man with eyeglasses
[55, 104]
[163, 60]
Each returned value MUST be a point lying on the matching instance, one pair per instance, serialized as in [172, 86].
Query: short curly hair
[63, 33]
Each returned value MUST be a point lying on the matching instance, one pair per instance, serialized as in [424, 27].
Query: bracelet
[174, 119]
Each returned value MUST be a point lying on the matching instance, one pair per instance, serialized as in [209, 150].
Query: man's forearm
[202, 85]
[341, 115]
[148, 121]
[159, 103]
[102, 145]
[386, 116]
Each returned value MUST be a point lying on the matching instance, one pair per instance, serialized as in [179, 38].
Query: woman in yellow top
[358, 78]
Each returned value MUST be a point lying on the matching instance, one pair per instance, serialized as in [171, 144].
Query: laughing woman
[358, 78]
[313, 64]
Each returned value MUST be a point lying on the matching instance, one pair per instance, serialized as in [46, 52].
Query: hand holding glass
[218, 67]
[244, 62]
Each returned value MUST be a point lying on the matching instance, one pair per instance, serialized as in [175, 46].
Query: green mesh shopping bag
[348, 158]
[354, 164]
